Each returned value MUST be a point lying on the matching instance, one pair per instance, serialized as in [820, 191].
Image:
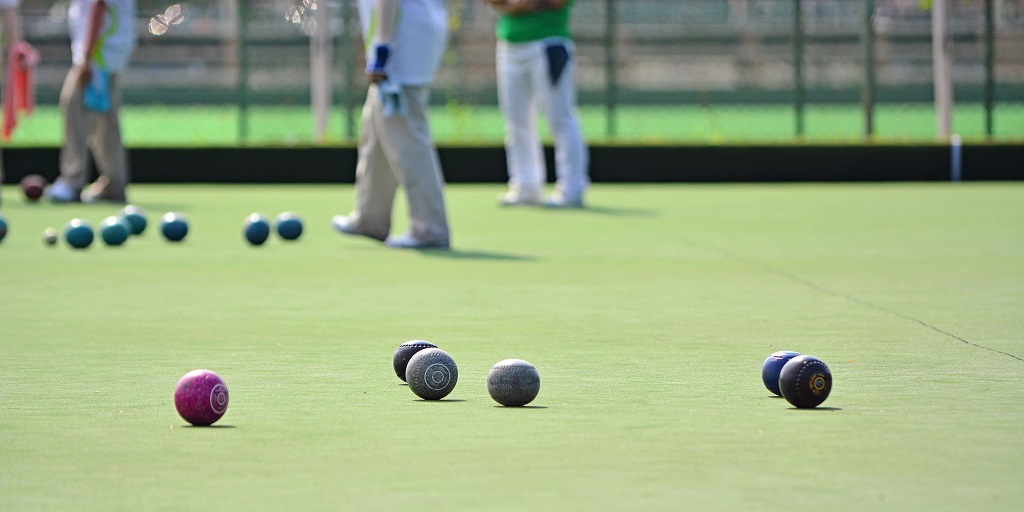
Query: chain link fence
[288, 72]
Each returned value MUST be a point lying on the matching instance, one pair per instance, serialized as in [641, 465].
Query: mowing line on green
[856, 300]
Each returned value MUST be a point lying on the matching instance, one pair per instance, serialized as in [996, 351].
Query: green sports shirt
[535, 26]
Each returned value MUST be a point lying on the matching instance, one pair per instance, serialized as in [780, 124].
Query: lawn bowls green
[513, 382]
[174, 226]
[404, 352]
[805, 381]
[114, 231]
[78, 234]
[289, 226]
[136, 218]
[431, 374]
[201, 397]
[771, 368]
[256, 229]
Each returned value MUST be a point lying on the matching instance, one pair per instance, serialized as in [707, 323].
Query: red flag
[19, 86]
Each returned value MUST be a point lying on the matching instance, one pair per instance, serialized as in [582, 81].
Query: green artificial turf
[473, 124]
[648, 315]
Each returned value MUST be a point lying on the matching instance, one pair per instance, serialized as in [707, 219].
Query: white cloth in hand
[391, 98]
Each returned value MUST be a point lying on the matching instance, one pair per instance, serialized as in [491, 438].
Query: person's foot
[521, 197]
[344, 225]
[407, 241]
[559, 200]
[91, 195]
[61, 192]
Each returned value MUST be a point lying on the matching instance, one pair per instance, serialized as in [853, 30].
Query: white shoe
[558, 200]
[521, 197]
[408, 241]
[342, 224]
[61, 192]
[89, 195]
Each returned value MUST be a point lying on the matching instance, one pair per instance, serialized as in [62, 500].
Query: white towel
[391, 98]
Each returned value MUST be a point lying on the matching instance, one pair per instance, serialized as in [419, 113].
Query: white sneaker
[558, 200]
[407, 241]
[342, 224]
[89, 195]
[61, 192]
[521, 197]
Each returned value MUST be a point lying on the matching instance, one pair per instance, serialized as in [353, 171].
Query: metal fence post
[243, 71]
[942, 68]
[868, 88]
[990, 66]
[800, 92]
[347, 68]
[611, 80]
[320, 71]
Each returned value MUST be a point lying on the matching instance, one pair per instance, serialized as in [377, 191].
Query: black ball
[513, 382]
[432, 374]
[805, 382]
[405, 352]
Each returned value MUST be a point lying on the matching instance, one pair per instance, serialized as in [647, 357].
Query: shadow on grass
[460, 254]
[207, 426]
[499, 406]
[152, 209]
[443, 400]
[816, 409]
[612, 211]
[158, 209]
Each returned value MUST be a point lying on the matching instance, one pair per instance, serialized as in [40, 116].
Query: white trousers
[524, 87]
[398, 150]
[84, 129]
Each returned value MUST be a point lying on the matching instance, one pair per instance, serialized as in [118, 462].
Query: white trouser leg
[571, 157]
[103, 130]
[375, 181]
[518, 66]
[74, 152]
[109, 151]
[410, 149]
[399, 150]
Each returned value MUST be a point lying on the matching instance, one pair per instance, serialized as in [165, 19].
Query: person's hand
[375, 68]
[27, 54]
[516, 7]
[84, 74]
[512, 6]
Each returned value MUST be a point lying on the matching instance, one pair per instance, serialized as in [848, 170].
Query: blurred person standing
[405, 40]
[536, 69]
[12, 38]
[102, 40]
